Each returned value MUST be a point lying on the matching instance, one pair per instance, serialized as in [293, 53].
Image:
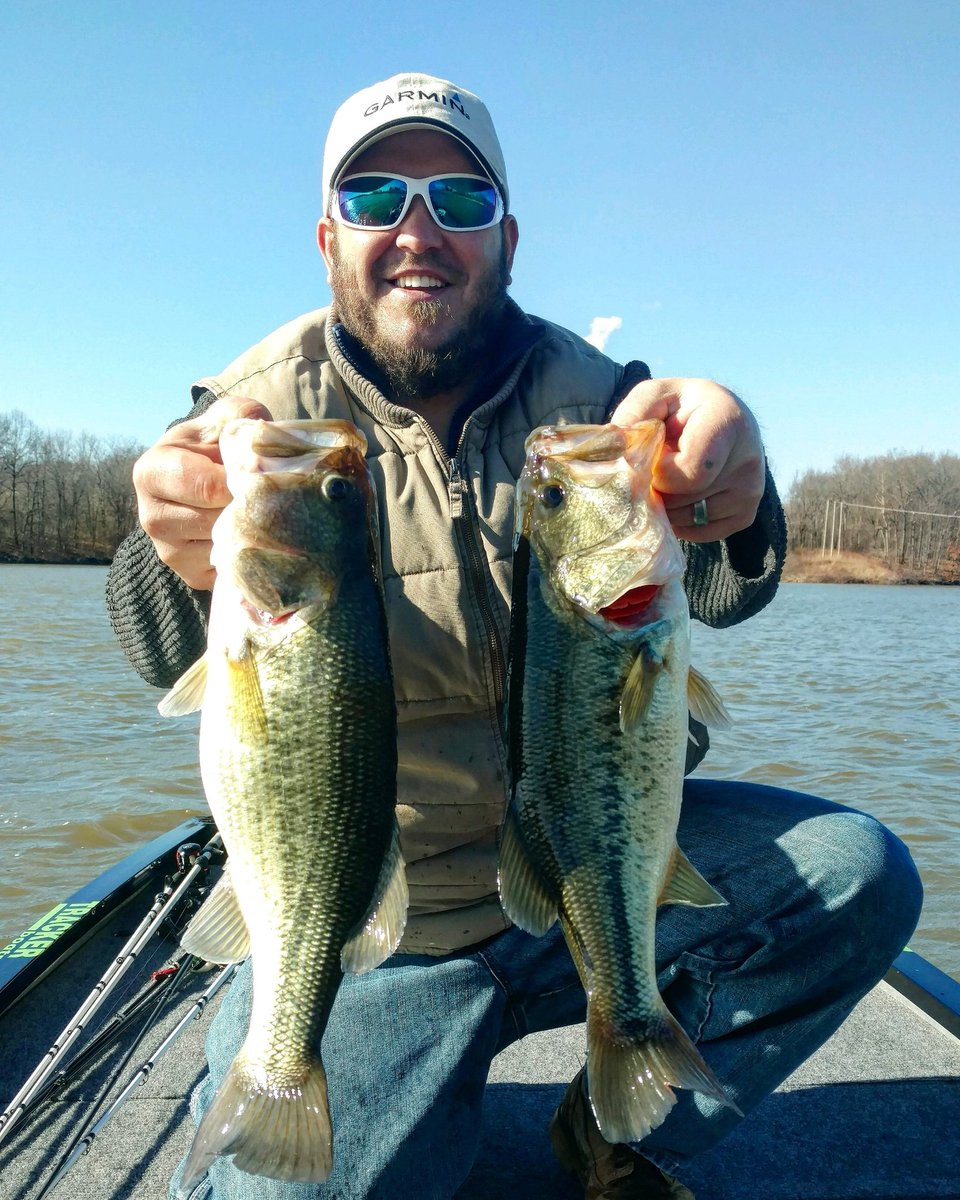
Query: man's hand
[713, 453]
[182, 489]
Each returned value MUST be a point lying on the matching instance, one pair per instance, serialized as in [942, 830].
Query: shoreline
[77, 560]
[807, 566]
[801, 566]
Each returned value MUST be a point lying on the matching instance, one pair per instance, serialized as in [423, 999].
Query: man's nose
[418, 231]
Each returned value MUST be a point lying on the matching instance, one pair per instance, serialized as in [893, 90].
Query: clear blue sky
[764, 193]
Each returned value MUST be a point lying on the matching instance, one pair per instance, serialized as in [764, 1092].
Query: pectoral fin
[379, 934]
[247, 699]
[186, 695]
[704, 703]
[218, 933]
[638, 690]
[685, 884]
[523, 894]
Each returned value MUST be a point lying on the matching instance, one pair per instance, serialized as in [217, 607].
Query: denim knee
[869, 885]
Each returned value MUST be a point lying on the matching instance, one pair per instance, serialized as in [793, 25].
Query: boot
[605, 1171]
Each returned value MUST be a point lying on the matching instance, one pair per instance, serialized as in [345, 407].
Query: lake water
[847, 691]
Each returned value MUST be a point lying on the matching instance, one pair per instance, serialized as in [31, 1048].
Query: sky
[763, 193]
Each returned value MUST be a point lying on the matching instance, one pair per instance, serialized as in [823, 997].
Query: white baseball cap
[412, 101]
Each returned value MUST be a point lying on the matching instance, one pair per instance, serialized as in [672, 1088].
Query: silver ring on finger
[700, 517]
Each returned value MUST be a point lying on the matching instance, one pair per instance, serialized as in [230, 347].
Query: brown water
[846, 691]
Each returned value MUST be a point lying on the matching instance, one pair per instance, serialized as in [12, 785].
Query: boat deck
[874, 1114]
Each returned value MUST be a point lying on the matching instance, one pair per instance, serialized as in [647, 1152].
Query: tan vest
[446, 528]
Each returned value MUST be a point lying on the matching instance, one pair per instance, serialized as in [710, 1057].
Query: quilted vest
[446, 529]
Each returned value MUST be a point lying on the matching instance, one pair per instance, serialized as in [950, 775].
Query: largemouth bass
[298, 759]
[599, 688]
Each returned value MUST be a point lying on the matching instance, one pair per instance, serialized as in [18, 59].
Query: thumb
[227, 409]
[651, 400]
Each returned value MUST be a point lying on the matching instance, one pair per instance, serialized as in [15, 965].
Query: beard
[413, 372]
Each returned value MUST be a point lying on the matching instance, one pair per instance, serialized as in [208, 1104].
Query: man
[445, 376]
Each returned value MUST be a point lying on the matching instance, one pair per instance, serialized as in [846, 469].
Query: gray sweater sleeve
[727, 582]
[159, 622]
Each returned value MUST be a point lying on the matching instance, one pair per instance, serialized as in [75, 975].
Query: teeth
[419, 281]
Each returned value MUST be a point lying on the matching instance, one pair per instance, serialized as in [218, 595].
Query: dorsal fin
[523, 893]
[379, 933]
[218, 932]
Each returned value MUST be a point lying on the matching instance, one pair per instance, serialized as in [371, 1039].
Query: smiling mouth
[419, 283]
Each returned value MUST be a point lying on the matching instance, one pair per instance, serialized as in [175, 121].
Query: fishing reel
[189, 855]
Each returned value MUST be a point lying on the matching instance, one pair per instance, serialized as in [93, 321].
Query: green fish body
[598, 720]
[298, 758]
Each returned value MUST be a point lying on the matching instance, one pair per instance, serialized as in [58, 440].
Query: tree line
[901, 507]
[64, 497]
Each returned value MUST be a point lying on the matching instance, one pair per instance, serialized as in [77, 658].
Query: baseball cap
[412, 101]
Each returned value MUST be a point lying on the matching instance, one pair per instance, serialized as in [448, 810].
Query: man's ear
[511, 235]
[325, 236]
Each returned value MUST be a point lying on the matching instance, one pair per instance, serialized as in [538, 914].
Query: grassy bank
[807, 566]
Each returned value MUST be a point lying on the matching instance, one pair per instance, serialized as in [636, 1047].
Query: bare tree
[903, 508]
[18, 440]
[63, 497]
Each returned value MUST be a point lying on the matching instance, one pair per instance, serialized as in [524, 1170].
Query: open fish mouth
[632, 609]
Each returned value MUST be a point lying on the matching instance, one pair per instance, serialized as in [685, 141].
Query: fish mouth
[264, 619]
[631, 610]
[274, 584]
[297, 447]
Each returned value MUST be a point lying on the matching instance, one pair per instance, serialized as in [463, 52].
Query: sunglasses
[457, 202]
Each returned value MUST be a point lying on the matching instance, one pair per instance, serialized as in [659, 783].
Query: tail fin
[281, 1132]
[631, 1081]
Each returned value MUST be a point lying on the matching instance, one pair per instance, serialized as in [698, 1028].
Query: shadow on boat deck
[894, 1140]
[873, 1115]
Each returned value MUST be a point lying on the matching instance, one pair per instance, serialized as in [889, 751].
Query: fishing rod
[93, 1107]
[84, 1138]
[161, 983]
[191, 861]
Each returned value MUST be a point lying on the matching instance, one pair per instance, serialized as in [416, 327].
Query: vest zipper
[463, 515]
[457, 490]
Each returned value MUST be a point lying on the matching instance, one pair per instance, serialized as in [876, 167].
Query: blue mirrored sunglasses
[457, 202]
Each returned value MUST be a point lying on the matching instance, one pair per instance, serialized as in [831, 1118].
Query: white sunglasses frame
[415, 187]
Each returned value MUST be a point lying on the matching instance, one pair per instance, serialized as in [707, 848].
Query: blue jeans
[821, 899]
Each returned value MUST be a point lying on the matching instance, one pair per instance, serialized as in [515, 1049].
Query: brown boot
[605, 1171]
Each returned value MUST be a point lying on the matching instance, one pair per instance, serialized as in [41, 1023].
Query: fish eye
[335, 487]
[551, 496]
